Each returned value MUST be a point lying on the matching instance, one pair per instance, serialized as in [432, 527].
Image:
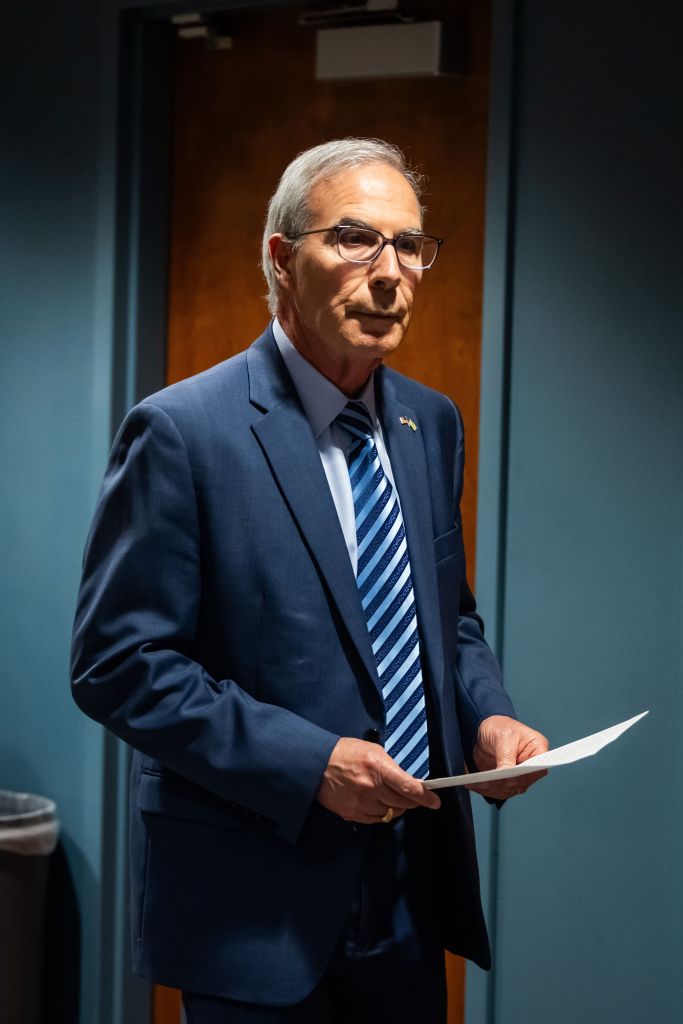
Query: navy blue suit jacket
[219, 631]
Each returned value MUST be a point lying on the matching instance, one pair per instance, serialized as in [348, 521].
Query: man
[274, 614]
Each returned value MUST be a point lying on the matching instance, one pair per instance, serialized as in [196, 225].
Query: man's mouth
[376, 314]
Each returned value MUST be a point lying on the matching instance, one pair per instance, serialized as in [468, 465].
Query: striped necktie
[386, 590]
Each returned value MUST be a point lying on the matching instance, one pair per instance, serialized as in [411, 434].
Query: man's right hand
[361, 783]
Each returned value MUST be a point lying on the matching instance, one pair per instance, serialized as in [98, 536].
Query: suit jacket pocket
[175, 797]
[447, 545]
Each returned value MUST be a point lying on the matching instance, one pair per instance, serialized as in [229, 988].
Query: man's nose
[385, 271]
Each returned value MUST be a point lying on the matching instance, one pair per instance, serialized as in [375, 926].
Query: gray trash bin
[28, 835]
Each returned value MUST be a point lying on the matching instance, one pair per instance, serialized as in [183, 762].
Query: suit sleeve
[132, 657]
[480, 691]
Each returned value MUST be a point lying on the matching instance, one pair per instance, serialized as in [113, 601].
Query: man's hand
[501, 743]
[361, 783]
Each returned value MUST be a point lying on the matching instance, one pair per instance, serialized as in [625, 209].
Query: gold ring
[388, 816]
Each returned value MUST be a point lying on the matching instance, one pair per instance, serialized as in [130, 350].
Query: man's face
[345, 317]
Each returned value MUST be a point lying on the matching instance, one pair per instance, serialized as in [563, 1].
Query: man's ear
[280, 250]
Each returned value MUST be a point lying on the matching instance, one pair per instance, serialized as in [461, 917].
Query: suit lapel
[409, 466]
[285, 437]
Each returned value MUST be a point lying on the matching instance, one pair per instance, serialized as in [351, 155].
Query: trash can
[28, 835]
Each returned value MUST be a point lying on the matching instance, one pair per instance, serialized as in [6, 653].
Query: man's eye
[410, 245]
[357, 239]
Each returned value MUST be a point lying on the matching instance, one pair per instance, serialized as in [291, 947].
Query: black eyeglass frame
[338, 228]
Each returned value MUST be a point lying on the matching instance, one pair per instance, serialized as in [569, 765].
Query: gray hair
[288, 209]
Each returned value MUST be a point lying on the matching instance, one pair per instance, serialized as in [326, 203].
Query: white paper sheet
[570, 752]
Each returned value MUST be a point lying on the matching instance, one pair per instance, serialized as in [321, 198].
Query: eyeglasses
[363, 245]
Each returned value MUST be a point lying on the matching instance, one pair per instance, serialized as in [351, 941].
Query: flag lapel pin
[406, 422]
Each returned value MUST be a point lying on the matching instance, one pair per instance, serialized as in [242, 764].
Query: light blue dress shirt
[322, 402]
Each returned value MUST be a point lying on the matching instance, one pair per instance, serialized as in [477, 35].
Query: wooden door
[240, 116]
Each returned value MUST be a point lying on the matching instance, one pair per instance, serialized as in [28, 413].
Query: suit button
[372, 736]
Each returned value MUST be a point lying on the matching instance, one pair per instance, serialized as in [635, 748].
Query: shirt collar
[322, 400]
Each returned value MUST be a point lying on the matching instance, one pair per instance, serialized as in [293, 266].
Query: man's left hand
[503, 742]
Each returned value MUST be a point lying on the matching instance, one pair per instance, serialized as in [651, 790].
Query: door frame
[133, 228]
[494, 429]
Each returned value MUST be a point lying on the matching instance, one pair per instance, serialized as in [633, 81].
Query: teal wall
[581, 484]
[54, 423]
[587, 894]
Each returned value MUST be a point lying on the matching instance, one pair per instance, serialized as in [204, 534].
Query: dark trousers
[388, 965]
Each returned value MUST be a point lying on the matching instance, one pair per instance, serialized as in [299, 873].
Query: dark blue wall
[588, 893]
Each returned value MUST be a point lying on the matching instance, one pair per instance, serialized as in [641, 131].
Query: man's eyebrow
[352, 222]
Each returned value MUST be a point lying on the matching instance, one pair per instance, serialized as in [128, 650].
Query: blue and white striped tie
[386, 591]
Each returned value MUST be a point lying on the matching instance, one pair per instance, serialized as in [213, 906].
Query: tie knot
[355, 418]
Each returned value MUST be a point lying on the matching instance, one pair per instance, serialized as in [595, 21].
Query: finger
[507, 788]
[492, 791]
[390, 814]
[529, 779]
[410, 792]
[374, 816]
[506, 750]
[407, 792]
[534, 744]
[394, 798]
